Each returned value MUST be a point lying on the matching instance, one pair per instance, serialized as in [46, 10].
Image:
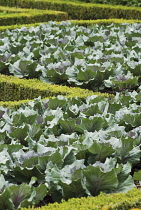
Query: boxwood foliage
[77, 22]
[59, 149]
[79, 10]
[104, 201]
[15, 15]
[15, 91]
[130, 3]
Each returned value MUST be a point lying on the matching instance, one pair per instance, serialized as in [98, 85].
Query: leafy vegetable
[96, 57]
[62, 148]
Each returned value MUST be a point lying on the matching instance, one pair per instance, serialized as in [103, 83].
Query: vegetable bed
[62, 148]
[100, 58]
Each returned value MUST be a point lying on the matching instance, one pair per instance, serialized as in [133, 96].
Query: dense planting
[60, 148]
[104, 58]
[136, 3]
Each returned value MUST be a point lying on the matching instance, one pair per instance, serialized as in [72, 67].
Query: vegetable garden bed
[61, 148]
[100, 58]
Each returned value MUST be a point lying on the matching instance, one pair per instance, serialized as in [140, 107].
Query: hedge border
[25, 16]
[80, 10]
[77, 22]
[113, 201]
[32, 88]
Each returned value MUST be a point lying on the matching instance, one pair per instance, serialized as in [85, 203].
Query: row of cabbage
[61, 148]
[103, 58]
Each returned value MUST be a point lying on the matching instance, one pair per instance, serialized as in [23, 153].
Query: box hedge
[120, 201]
[25, 16]
[75, 10]
[77, 22]
[14, 91]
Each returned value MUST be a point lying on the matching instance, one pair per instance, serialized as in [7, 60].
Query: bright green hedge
[79, 11]
[102, 22]
[26, 16]
[131, 3]
[77, 22]
[120, 201]
[14, 91]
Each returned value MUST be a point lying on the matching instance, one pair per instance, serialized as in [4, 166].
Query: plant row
[62, 148]
[103, 58]
[131, 3]
[25, 16]
[84, 23]
[79, 10]
[104, 201]
[15, 91]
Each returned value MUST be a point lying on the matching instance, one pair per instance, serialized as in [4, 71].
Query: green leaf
[92, 110]
[25, 174]
[38, 194]
[137, 120]
[96, 180]
[5, 200]
[57, 102]
[125, 179]
[114, 107]
[57, 76]
[127, 152]
[56, 159]
[86, 75]
[101, 150]
[43, 163]
[30, 162]
[68, 126]
[20, 133]
[24, 116]
[73, 190]
[19, 194]
[52, 174]
[137, 175]
[3, 183]
[69, 158]
[90, 125]
[125, 186]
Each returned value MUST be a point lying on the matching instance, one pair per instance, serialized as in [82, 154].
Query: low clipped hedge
[77, 22]
[14, 91]
[25, 16]
[121, 201]
[131, 3]
[80, 10]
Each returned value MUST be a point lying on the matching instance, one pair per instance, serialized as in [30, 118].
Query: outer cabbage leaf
[101, 152]
[90, 125]
[96, 180]
[125, 179]
[19, 194]
[74, 189]
[25, 174]
[68, 126]
[6, 201]
[38, 194]
[127, 152]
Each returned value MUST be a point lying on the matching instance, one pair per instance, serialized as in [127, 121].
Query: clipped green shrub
[105, 22]
[26, 16]
[19, 91]
[79, 11]
[77, 22]
[122, 201]
[136, 3]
